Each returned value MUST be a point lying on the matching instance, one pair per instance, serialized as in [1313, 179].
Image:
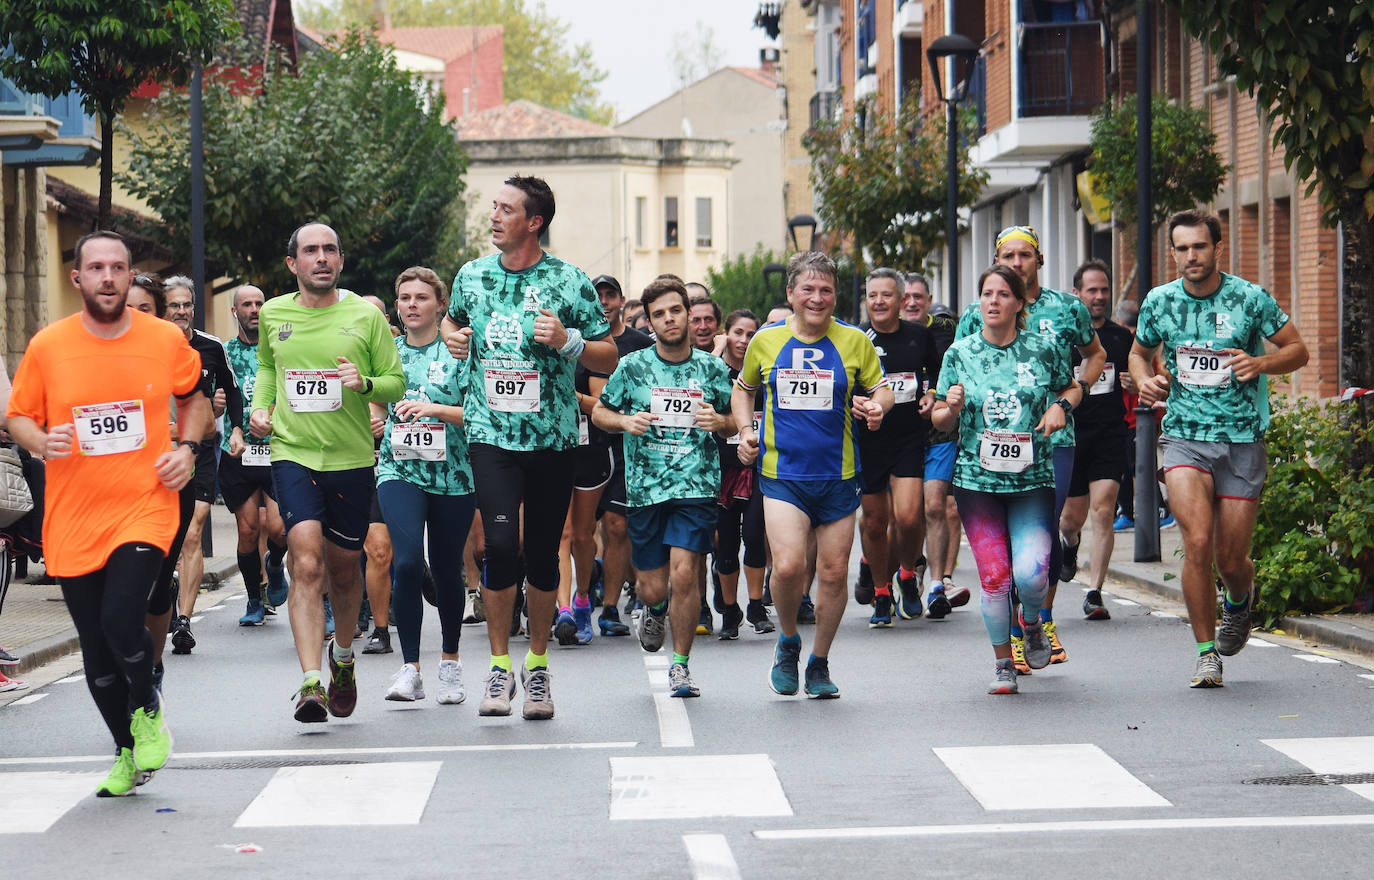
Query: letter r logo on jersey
[1225, 328]
[1046, 327]
[806, 358]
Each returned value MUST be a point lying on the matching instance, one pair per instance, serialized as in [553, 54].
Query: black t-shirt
[628, 341]
[942, 330]
[215, 374]
[1105, 410]
[911, 362]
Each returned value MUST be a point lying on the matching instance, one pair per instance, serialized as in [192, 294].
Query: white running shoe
[451, 683]
[407, 686]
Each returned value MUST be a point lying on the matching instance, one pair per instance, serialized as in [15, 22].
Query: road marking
[1155, 612]
[1260, 643]
[1367, 676]
[194, 619]
[1199, 823]
[1332, 754]
[710, 857]
[1127, 602]
[393, 793]
[31, 698]
[333, 753]
[1046, 777]
[71, 679]
[34, 801]
[696, 787]
[674, 727]
[1316, 658]
[213, 608]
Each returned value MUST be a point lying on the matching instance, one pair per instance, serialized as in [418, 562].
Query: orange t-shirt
[117, 392]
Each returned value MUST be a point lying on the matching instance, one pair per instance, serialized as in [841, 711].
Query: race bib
[584, 434]
[314, 390]
[806, 389]
[109, 428]
[424, 441]
[675, 407]
[1105, 384]
[757, 422]
[256, 455]
[512, 390]
[905, 388]
[1203, 366]
[1005, 452]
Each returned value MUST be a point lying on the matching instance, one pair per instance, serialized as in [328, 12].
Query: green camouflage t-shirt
[1205, 401]
[1006, 392]
[673, 460]
[520, 392]
[243, 360]
[1059, 316]
[432, 376]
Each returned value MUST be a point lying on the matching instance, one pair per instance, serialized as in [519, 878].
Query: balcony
[825, 107]
[908, 18]
[1062, 69]
[38, 131]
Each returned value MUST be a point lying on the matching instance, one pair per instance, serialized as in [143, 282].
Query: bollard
[1146, 487]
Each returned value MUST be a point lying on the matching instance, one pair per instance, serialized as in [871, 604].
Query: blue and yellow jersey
[807, 431]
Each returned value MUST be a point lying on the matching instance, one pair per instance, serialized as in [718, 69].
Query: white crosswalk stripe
[1336, 755]
[1046, 777]
[393, 793]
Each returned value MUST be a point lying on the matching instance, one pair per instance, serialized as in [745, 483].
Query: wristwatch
[1068, 407]
[367, 385]
[194, 445]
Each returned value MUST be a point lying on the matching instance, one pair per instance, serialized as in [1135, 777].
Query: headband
[1018, 233]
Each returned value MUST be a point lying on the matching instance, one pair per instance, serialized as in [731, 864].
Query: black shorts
[203, 480]
[238, 483]
[884, 459]
[593, 467]
[1098, 455]
[337, 500]
[374, 515]
[613, 495]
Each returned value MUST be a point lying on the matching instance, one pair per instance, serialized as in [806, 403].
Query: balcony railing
[978, 93]
[825, 107]
[866, 33]
[1062, 68]
[78, 138]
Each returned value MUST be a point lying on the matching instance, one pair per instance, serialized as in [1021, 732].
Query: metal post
[858, 288]
[198, 298]
[1146, 488]
[952, 202]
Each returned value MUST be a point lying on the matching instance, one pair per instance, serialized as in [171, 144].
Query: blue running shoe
[255, 615]
[610, 622]
[908, 597]
[818, 683]
[1123, 523]
[882, 611]
[276, 585]
[565, 628]
[783, 678]
[1166, 520]
[598, 586]
[583, 618]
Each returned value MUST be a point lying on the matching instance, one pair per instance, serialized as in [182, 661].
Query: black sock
[275, 554]
[250, 566]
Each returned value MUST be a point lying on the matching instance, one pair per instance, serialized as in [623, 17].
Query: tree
[880, 179]
[1309, 64]
[104, 51]
[347, 139]
[539, 66]
[695, 55]
[739, 283]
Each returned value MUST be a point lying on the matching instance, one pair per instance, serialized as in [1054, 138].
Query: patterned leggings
[1011, 536]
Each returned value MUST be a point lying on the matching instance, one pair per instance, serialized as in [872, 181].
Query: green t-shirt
[432, 376]
[1006, 392]
[317, 423]
[676, 461]
[1059, 316]
[520, 392]
[1205, 401]
[243, 360]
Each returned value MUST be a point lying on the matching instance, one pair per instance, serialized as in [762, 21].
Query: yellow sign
[1095, 206]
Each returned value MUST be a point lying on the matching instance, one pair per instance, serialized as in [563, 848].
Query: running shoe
[1018, 655]
[343, 686]
[938, 607]
[159, 671]
[757, 614]
[1004, 678]
[451, 691]
[328, 620]
[717, 597]
[123, 777]
[152, 739]
[538, 698]
[730, 619]
[1068, 568]
[650, 630]
[583, 618]
[476, 611]
[610, 622]
[565, 628]
[908, 596]
[6, 658]
[1208, 674]
[958, 596]
[1123, 523]
[1057, 652]
[500, 690]
[783, 677]
[863, 587]
[407, 686]
[680, 683]
[1093, 608]
[256, 615]
[11, 684]
[705, 623]
[598, 582]
[182, 640]
[882, 611]
[312, 704]
[1166, 520]
[277, 585]
[1234, 630]
[818, 683]
[379, 642]
[806, 612]
[1037, 645]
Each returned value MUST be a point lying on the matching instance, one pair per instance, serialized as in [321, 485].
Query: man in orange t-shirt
[91, 397]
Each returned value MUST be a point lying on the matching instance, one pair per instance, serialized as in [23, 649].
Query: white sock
[342, 655]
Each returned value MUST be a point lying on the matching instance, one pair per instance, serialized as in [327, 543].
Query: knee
[307, 569]
[874, 527]
[615, 527]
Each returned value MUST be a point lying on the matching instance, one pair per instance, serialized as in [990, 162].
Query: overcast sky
[633, 39]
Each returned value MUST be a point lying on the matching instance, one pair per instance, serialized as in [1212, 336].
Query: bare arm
[1094, 359]
[1152, 388]
[1290, 355]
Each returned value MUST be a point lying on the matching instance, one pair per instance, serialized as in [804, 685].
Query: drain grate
[258, 764]
[1314, 779]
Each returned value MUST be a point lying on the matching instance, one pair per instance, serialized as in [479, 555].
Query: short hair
[99, 233]
[671, 277]
[538, 198]
[801, 263]
[426, 275]
[234, 297]
[690, 284]
[1088, 266]
[890, 274]
[1018, 288]
[1127, 313]
[741, 315]
[631, 304]
[661, 287]
[1196, 217]
[917, 278]
[702, 299]
[291, 243]
[182, 282]
[151, 283]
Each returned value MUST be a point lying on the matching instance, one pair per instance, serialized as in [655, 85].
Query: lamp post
[804, 222]
[775, 278]
[958, 48]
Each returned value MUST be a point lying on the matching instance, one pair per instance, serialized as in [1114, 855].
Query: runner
[377, 551]
[323, 355]
[669, 401]
[1007, 392]
[523, 318]
[813, 368]
[424, 479]
[91, 397]
[1212, 328]
[1100, 449]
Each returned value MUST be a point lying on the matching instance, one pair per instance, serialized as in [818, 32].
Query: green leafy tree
[346, 138]
[105, 50]
[880, 179]
[1309, 64]
[539, 64]
[739, 283]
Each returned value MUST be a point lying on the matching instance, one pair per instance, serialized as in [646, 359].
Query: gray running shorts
[1238, 469]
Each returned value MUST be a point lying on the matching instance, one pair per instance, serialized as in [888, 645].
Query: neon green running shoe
[152, 739]
[122, 779]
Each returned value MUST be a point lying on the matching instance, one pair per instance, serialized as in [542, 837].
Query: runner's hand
[260, 423]
[748, 446]
[236, 444]
[1053, 419]
[349, 376]
[411, 410]
[549, 330]
[175, 469]
[218, 402]
[459, 342]
[1155, 389]
[926, 404]
[639, 423]
[954, 398]
[867, 410]
[59, 443]
[378, 427]
[1243, 364]
[707, 419]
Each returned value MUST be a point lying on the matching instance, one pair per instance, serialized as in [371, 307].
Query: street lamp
[958, 48]
[805, 222]
[775, 278]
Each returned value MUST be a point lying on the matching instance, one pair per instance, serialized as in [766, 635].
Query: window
[670, 221]
[703, 223]
[641, 209]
